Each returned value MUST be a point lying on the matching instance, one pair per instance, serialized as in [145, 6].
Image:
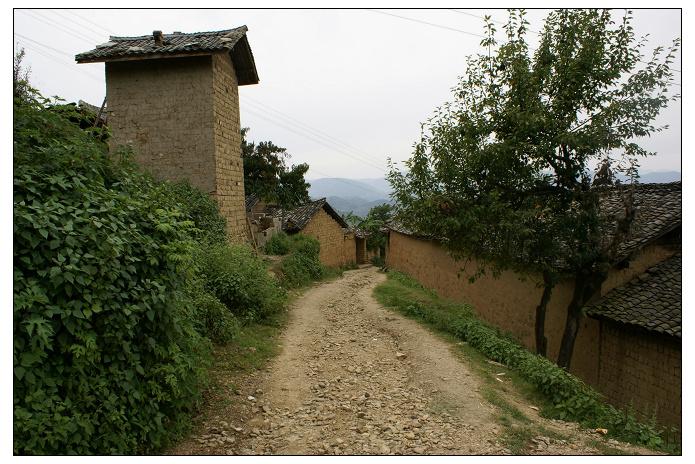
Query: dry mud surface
[355, 378]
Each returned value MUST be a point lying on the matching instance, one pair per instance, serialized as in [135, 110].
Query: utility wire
[51, 57]
[42, 45]
[55, 50]
[310, 137]
[64, 29]
[56, 12]
[471, 33]
[314, 132]
[73, 13]
[530, 30]
[426, 22]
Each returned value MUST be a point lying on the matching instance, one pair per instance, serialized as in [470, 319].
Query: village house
[318, 219]
[174, 98]
[629, 348]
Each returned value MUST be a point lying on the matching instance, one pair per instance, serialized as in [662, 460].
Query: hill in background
[360, 195]
[356, 195]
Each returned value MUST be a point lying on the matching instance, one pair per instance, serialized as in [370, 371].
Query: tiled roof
[658, 212]
[652, 300]
[144, 47]
[296, 219]
[251, 201]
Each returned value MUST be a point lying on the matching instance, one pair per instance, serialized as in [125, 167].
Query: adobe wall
[181, 116]
[509, 302]
[229, 167]
[641, 369]
[337, 248]
[162, 108]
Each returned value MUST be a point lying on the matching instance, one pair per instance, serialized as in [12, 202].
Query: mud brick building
[319, 220]
[629, 348]
[174, 98]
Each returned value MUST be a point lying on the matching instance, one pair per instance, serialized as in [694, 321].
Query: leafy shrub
[571, 398]
[199, 207]
[105, 360]
[377, 261]
[210, 317]
[302, 266]
[240, 280]
[279, 244]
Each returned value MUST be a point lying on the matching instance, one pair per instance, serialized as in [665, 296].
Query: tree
[20, 77]
[374, 224]
[266, 173]
[503, 173]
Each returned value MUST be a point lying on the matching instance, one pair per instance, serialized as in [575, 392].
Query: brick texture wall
[509, 301]
[229, 168]
[163, 109]
[641, 369]
[181, 116]
[337, 248]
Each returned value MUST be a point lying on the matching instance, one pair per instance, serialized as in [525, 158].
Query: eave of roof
[652, 301]
[232, 41]
[296, 219]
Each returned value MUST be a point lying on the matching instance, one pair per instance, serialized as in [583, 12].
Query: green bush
[210, 317]
[199, 207]
[240, 280]
[279, 244]
[571, 398]
[302, 266]
[105, 359]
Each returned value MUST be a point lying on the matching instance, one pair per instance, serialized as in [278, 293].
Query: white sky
[355, 84]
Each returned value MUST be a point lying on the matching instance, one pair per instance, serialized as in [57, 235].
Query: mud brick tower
[174, 98]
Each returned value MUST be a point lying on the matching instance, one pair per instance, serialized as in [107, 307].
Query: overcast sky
[341, 89]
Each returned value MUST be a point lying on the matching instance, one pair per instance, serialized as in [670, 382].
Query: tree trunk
[541, 340]
[586, 284]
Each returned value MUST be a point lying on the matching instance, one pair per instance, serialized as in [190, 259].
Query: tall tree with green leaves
[267, 175]
[503, 172]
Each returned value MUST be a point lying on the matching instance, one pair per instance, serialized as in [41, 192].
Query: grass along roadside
[558, 394]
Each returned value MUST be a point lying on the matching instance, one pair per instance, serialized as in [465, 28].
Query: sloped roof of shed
[144, 47]
[652, 300]
[296, 219]
[251, 201]
[658, 212]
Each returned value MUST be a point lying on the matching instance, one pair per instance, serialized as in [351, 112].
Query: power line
[310, 137]
[313, 134]
[426, 22]
[72, 12]
[64, 29]
[99, 34]
[43, 45]
[37, 43]
[530, 30]
[316, 132]
[51, 57]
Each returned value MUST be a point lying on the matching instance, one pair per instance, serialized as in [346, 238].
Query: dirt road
[356, 378]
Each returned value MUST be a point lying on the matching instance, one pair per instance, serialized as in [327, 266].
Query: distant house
[318, 219]
[630, 347]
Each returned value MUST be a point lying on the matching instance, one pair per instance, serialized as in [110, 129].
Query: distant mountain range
[659, 177]
[351, 195]
[360, 195]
